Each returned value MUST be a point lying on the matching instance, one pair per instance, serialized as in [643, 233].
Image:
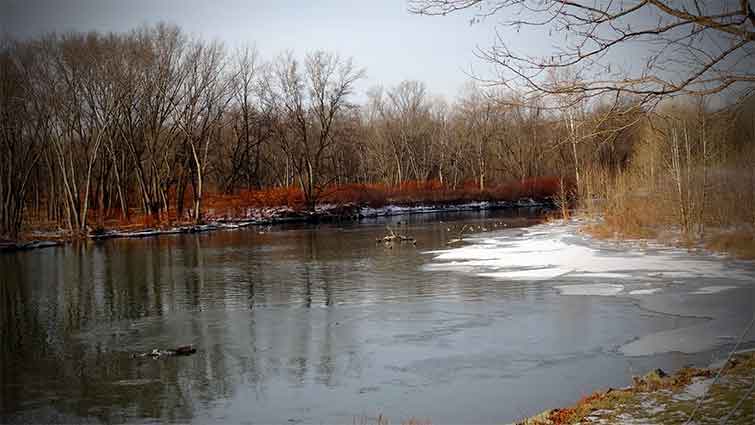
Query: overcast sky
[382, 36]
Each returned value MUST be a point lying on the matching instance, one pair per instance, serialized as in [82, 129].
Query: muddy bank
[697, 395]
[269, 216]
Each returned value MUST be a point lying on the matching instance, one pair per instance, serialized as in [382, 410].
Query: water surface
[304, 324]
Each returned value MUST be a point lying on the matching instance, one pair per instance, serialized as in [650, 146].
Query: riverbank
[264, 217]
[657, 398]
[736, 241]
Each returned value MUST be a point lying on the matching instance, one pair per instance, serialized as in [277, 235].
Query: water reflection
[304, 323]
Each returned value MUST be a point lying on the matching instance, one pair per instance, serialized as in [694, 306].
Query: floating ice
[544, 273]
[605, 275]
[604, 289]
[665, 278]
[707, 290]
[644, 291]
[546, 252]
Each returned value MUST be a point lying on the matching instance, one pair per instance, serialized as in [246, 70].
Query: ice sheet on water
[645, 291]
[664, 280]
[707, 290]
[548, 251]
[604, 289]
[545, 273]
[605, 275]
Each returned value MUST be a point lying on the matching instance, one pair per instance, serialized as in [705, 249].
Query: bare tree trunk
[677, 168]
[198, 188]
[704, 185]
[118, 183]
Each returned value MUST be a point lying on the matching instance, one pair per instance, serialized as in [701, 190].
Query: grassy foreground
[659, 399]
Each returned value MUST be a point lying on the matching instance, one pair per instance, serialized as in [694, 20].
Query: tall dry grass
[691, 178]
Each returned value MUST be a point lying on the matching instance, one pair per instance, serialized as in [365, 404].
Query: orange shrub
[373, 195]
[217, 205]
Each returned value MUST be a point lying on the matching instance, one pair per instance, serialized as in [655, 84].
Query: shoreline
[736, 241]
[660, 398]
[270, 216]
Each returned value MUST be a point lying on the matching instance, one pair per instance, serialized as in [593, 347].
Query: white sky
[382, 36]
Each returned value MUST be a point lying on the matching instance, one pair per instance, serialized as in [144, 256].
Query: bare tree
[83, 104]
[200, 115]
[94, 122]
[405, 113]
[690, 47]
[311, 101]
[151, 94]
[521, 150]
[21, 135]
[250, 120]
[481, 123]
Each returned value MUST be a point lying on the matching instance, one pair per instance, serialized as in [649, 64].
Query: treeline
[150, 122]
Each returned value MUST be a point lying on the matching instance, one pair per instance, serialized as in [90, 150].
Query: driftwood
[459, 234]
[468, 228]
[181, 350]
[392, 237]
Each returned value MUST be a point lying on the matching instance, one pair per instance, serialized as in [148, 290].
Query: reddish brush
[238, 204]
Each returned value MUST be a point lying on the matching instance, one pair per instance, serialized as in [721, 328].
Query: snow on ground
[391, 210]
[698, 388]
[663, 279]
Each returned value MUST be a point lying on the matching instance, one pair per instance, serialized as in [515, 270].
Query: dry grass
[638, 218]
[602, 400]
[740, 244]
[636, 208]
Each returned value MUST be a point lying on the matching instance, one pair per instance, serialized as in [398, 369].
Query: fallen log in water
[392, 237]
[460, 235]
[181, 350]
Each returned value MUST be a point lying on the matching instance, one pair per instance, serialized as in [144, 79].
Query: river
[321, 324]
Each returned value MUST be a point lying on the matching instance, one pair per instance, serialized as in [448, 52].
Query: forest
[154, 127]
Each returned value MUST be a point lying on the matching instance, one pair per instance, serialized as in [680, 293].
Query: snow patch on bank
[393, 210]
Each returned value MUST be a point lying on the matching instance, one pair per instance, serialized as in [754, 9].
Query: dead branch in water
[459, 234]
[392, 237]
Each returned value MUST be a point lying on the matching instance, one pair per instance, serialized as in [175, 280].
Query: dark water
[303, 324]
